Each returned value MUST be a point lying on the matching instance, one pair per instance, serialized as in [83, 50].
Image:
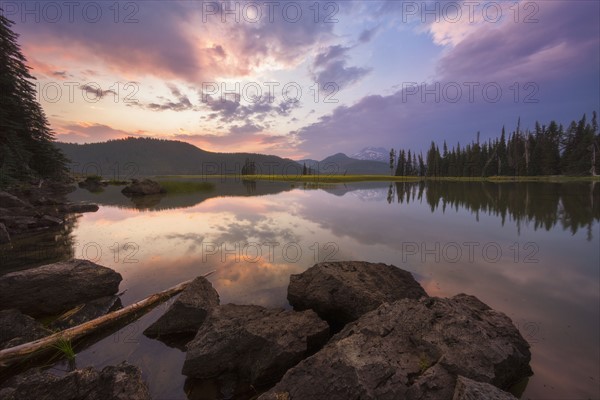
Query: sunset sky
[389, 74]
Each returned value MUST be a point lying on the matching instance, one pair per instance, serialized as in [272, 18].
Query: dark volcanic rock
[468, 389]
[142, 188]
[17, 328]
[55, 288]
[79, 208]
[188, 312]
[412, 349]
[87, 312]
[341, 292]
[93, 184]
[256, 344]
[121, 382]
[4, 236]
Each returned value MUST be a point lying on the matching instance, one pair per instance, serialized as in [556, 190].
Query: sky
[307, 79]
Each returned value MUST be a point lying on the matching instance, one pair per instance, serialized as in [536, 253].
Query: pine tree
[502, 154]
[400, 171]
[579, 144]
[26, 143]
[422, 168]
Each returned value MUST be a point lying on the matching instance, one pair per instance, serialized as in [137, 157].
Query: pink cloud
[89, 132]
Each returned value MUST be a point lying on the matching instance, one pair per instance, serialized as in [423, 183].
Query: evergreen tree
[502, 154]
[415, 166]
[579, 148]
[26, 143]
[422, 169]
[392, 161]
[400, 168]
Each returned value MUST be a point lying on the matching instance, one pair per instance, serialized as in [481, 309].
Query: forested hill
[132, 157]
[342, 164]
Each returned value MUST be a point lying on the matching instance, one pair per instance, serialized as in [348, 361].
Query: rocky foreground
[393, 341]
[33, 209]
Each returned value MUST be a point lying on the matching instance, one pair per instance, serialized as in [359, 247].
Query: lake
[530, 250]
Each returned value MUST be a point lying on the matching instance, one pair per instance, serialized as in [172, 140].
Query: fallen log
[14, 354]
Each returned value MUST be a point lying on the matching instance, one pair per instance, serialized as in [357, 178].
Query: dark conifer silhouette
[549, 150]
[26, 143]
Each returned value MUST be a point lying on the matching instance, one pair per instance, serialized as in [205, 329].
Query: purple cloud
[330, 66]
[555, 64]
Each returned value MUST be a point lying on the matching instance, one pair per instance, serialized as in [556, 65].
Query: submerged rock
[93, 184]
[188, 312]
[412, 349]
[143, 187]
[253, 344]
[55, 288]
[79, 208]
[340, 292]
[17, 328]
[121, 382]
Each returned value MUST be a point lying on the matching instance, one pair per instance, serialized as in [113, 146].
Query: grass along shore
[386, 178]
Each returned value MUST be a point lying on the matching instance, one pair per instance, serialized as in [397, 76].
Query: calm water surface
[530, 250]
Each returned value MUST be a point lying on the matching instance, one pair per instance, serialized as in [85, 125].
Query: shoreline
[385, 178]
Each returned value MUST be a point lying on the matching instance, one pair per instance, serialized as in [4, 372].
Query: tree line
[548, 150]
[27, 151]
[542, 205]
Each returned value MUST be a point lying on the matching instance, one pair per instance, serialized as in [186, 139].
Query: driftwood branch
[14, 354]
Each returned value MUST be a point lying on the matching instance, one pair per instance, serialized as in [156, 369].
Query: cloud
[367, 35]
[251, 142]
[182, 102]
[564, 40]
[47, 70]
[545, 55]
[249, 127]
[227, 111]
[90, 132]
[175, 40]
[96, 91]
[330, 66]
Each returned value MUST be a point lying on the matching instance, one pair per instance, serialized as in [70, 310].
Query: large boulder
[340, 292]
[93, 184]
[142, 188]
[412, 349]
[468, 389]
[55, 288]
[252, 343]
[188, 312]
[121, 382]
[17, 328]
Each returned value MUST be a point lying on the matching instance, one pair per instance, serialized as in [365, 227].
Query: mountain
[341, 164]
[372, 154]
[134, 157]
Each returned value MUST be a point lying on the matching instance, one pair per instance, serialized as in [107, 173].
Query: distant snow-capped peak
[373, 154]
